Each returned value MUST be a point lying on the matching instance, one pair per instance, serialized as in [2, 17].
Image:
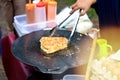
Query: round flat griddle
[27, 49]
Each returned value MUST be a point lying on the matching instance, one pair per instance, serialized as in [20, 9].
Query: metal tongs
[74, 28]
[53, 30]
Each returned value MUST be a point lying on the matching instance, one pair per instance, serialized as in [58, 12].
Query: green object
[103, 48]
[92, 13]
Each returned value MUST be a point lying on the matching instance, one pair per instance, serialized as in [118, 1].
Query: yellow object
[103, 48]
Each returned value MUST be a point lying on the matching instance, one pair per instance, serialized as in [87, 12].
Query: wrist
[90, 2]
[93, 1]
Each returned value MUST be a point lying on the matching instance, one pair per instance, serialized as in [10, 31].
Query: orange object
[30, 9]
[51, 10]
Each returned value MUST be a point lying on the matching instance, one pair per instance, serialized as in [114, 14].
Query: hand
[82, 4]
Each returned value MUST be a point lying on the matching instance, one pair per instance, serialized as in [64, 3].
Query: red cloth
[15, 70]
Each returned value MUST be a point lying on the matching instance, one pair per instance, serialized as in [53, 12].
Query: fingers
[74, 9]
[77, 6]
[82, 12]
[81, 4]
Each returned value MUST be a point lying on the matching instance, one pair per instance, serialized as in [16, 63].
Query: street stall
[24, 60]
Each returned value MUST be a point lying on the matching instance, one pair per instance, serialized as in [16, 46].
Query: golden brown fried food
[53, 44]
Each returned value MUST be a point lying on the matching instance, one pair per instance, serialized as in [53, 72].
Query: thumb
[82, 12]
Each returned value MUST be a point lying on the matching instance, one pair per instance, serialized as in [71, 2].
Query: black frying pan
[27, 49]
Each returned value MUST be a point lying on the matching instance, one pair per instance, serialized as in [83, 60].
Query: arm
[82, 4]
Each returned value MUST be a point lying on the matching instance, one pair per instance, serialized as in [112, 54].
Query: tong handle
[74, 28]
[52, 31]
[64, 20]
